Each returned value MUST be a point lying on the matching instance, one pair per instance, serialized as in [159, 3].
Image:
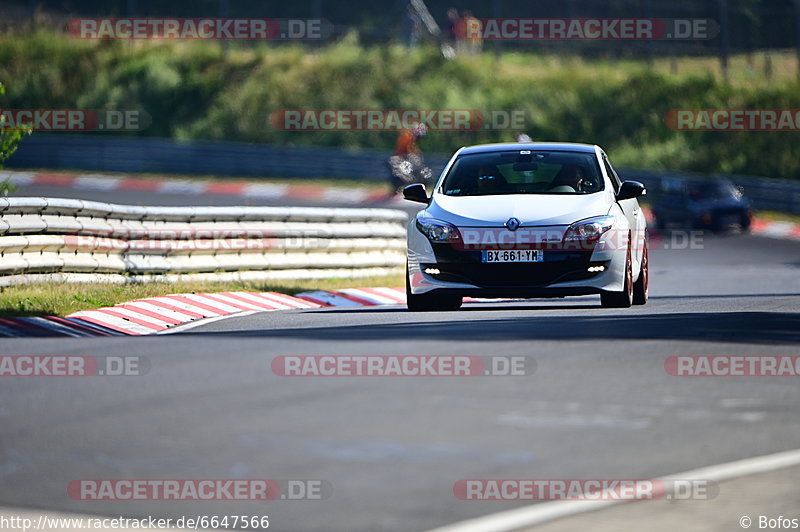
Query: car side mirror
[416, 192]
[630, 190]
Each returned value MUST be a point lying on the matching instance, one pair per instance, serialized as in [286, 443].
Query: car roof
[533, 146]
[710, 181]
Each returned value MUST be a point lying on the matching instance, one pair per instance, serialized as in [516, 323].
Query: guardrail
[148, 155]
[76, 240]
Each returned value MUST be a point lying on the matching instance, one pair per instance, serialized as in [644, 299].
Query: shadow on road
[760, 327]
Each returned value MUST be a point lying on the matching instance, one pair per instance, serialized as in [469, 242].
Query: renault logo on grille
[513, 224]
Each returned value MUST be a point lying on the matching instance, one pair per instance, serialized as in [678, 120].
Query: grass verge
[61, 299]
[773, 216]
[202, 90]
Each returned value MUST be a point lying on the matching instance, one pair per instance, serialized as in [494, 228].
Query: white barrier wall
[75, 240]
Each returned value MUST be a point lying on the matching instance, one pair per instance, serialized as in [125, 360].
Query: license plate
[730, 219]
[512, 255]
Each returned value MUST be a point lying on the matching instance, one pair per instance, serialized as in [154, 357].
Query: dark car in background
[715, 204]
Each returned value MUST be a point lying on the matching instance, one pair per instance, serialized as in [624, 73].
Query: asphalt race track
[599, 405]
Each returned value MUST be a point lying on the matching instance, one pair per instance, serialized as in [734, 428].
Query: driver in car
[571, 176]
[490, 181]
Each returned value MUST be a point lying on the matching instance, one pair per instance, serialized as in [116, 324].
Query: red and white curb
[776, 229]
[243, 189]
[164, 314]
[356, 297]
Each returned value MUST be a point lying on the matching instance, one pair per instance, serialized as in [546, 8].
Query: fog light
[596, 268]
[432, 271]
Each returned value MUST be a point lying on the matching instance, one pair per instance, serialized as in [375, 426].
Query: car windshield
[523, 172]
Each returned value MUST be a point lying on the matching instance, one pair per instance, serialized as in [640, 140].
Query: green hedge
[205, 90]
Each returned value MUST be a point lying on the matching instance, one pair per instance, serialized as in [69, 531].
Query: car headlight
[437, 230]
[589, 230]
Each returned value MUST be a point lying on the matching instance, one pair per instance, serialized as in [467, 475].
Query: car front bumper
[443, 268]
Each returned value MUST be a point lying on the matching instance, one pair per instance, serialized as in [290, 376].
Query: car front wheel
[622, 299]
[430, 302]
[641, 288]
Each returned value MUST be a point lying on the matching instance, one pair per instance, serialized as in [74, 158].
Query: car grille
[466, 267]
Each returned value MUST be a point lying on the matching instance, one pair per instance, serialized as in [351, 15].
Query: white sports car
[527, 220]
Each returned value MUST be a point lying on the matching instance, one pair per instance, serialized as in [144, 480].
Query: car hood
[529, 209]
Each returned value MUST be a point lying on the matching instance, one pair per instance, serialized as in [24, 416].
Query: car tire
[641, 288]
[622, 299]
[745, 223]
[430, 302]
[661, 221]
